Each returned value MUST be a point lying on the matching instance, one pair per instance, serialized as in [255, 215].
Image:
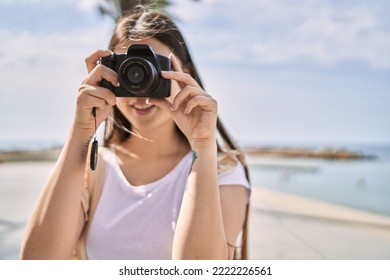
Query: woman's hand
[91, 94]
[193, 110]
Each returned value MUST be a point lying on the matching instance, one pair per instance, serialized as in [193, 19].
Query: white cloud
[42, 51]
[88, 5]
[323, 32]
[84, 5]
[41, 73]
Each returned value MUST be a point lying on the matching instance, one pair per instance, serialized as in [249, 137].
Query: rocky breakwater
[299, 152]
[30, 155]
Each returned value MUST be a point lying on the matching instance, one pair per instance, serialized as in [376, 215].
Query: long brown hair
[140, 23]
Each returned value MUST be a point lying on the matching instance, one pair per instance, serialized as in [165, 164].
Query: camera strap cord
[94, 149]
[95, 145]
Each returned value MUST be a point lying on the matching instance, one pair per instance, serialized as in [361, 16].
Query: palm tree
[116, 8]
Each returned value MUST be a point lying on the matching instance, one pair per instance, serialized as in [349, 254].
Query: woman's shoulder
[232, 169]
[227, 160]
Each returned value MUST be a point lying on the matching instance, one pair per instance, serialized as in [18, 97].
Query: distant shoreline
[30, 155]
[51, 154]
[301, 152]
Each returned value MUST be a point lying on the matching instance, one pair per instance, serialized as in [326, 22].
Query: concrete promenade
[282, 226]
[285, 226]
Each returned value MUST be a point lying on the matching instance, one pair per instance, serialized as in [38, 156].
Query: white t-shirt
[139, 222]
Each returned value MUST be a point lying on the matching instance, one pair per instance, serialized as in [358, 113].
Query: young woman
[163, 192]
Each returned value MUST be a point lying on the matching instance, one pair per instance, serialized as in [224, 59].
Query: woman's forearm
[52, 229]
[200, 232]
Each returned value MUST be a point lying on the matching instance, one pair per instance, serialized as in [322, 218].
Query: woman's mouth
[142, 108]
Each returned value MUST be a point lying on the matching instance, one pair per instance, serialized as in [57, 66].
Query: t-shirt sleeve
[234, 176]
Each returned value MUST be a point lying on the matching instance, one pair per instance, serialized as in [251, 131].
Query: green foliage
[116, 8]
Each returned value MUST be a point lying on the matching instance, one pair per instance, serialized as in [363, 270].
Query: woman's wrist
[204, 151]
[80, 138]
[204, 147]
[82, 130]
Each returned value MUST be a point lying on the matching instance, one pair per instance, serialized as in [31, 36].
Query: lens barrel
[138, 76]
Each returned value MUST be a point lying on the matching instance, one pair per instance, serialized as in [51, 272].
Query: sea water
[363, 184]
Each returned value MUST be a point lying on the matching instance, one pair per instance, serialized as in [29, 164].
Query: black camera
[139, 73]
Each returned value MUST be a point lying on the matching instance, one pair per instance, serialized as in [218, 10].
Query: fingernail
[173, 107]
[147, 101]
[118, 84]
[186, 112]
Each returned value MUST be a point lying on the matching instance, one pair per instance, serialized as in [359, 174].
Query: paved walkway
[20, 186]
[282, 226]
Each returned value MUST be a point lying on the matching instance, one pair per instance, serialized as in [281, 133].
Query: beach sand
[282, 226]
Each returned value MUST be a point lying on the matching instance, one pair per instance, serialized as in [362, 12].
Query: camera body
[139, 73]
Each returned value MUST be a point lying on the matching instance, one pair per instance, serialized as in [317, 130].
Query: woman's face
[142, 116]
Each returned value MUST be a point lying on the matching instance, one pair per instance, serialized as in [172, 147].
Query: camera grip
[106, 84]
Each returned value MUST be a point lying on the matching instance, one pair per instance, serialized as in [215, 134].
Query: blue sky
[282, 71]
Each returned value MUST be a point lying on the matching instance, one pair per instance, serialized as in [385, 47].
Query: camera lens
[138, 76]
[135, 74]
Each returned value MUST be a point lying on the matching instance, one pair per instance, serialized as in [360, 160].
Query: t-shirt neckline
[150, 185]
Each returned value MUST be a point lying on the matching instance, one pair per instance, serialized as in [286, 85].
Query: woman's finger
[85, 105]
[206, 103]
[181, 77]
[176, 67]
[92, 60]
[175, 63]
[99, 92]
[186, 79]
[101, 72]
[186, 93]
[87, 101]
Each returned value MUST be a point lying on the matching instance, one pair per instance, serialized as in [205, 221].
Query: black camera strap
[94, 148]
